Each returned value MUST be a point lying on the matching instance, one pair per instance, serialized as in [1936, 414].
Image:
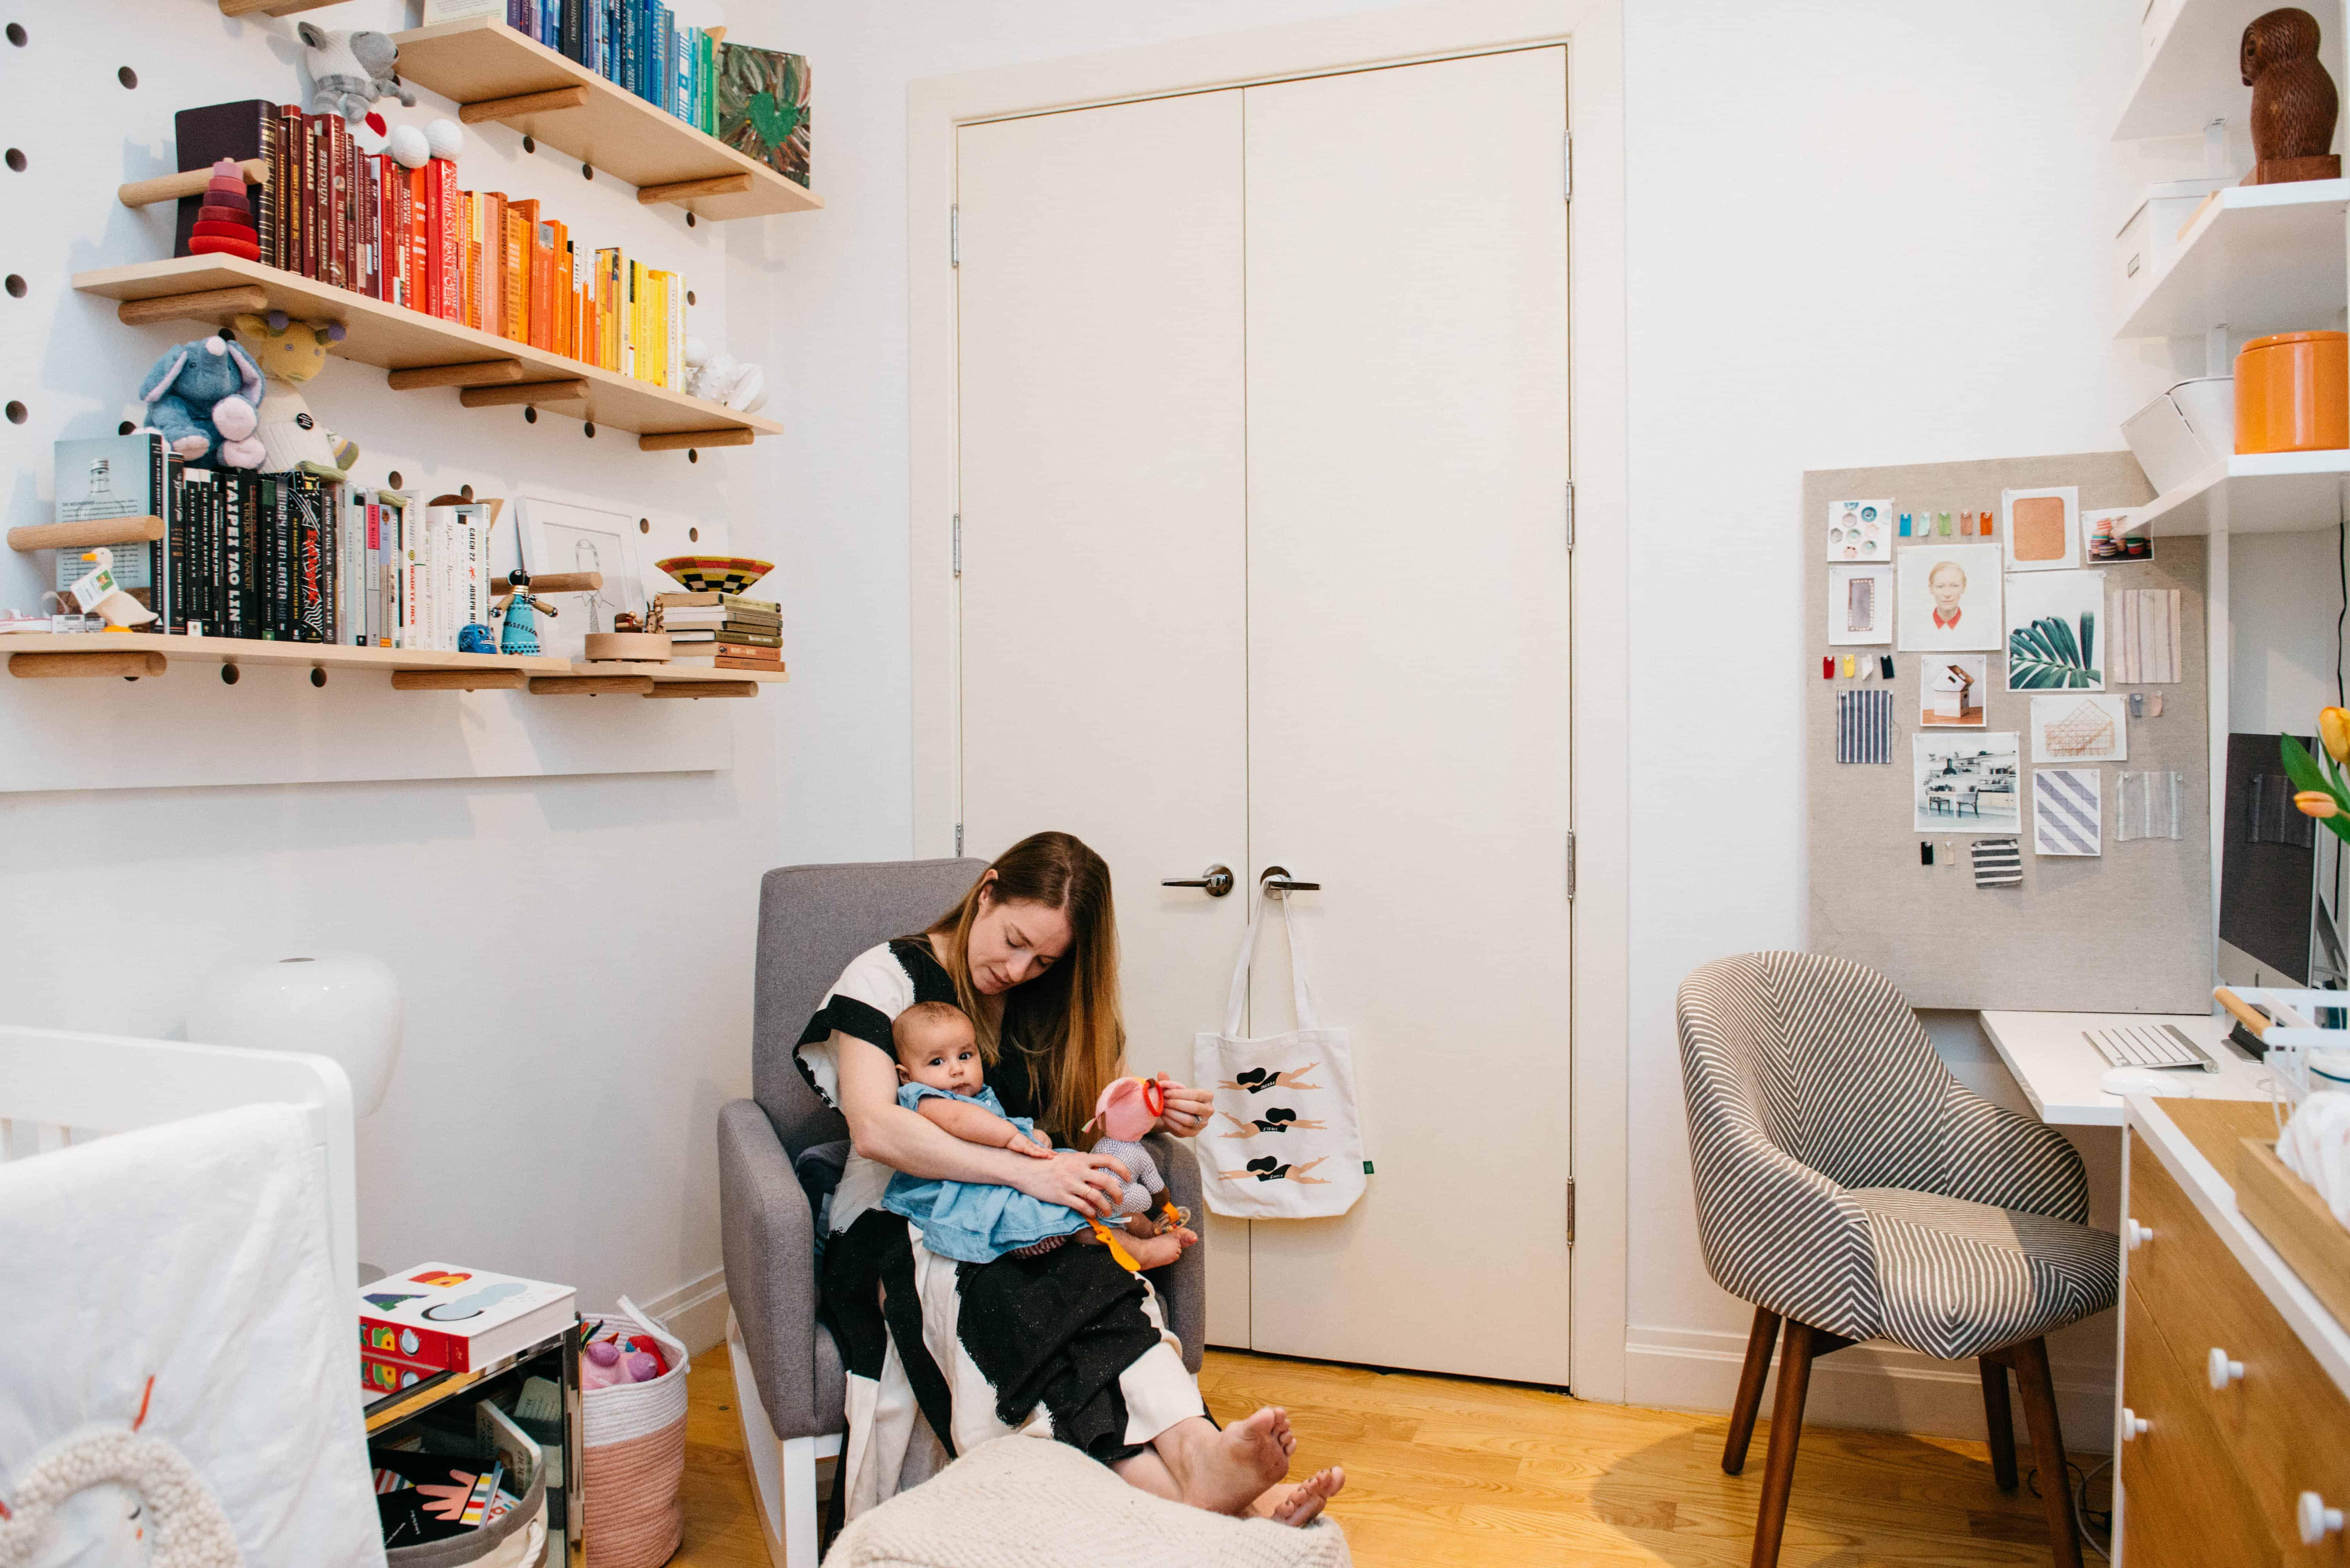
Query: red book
[448, 237]
[419, 218]
[436, 275]
[339, 199]
[285, 248]
[310, 178]
[371, 222]
[395, 243]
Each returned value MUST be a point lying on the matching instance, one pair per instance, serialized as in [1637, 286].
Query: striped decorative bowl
[715, 574]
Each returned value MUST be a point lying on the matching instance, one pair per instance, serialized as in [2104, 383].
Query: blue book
[522, 15]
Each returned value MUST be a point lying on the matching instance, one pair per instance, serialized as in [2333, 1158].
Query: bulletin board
[2129, 929]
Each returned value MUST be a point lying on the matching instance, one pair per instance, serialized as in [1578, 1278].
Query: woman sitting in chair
[1064, 1345]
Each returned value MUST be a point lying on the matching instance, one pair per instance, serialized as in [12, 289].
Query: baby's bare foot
[1232, 1470]
[1154, 1251]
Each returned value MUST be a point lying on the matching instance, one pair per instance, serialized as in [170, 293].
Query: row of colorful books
[358, 221]
[285, 557]
[636, 44]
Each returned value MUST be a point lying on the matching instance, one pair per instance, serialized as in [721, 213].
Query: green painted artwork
[762, 107]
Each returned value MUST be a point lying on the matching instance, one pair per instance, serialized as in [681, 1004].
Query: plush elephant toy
[291, 352]
[350, 70]
[205, 397]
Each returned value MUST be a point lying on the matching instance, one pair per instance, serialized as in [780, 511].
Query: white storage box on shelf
[2184, 431]
[2146, 238]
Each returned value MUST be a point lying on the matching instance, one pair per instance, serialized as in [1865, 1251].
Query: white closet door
[1104, 651]
[1408, 688]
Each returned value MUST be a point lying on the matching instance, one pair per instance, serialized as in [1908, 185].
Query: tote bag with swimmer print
[1283, 1142]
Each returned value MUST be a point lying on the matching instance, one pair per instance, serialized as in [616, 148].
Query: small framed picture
[2043, 528]
[559, 538]
[2056, 631]
[1860, 530]
[1950, 597]
[1860, 606]
[1952, 690]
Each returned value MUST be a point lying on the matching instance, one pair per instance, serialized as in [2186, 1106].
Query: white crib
[57, 1089]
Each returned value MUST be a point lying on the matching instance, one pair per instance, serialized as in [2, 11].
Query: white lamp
[340, 1006]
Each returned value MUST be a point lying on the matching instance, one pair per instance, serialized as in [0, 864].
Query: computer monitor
[2279, 877]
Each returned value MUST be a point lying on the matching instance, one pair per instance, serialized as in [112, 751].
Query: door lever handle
[1216, 879]
[1276, 881]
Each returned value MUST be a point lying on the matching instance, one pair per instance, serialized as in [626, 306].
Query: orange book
[492, 262]
[469, 309]
[558, 286]
[419, 246]
[542, 285]
[520, 218]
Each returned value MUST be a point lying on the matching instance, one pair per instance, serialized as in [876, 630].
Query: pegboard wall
[2129, 929]
[90, 91]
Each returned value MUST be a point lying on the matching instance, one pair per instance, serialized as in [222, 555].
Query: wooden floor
[1444, 1470]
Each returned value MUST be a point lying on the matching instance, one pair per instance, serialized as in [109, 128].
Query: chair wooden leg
[2030, 1360]
[1750, 1389]
[1998, 1420]
[1802, 1343]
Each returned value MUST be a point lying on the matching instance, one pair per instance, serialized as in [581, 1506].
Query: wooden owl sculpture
[2293, 101]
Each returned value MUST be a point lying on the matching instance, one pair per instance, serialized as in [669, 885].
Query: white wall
[574, 952]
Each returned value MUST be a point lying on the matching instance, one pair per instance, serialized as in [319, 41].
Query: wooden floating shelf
[86, 535]
[214, 289]
[2252, 493]
[95, 647]
[2256, 258]
[496, 73]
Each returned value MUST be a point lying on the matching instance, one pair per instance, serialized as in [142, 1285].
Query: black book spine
[233, 622]
[302, 576]
[276, 624]
[175, 545]
[216, 623]
[159, 568]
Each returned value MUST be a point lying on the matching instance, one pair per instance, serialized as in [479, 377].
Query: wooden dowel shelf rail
[479, 373]
[50, 655]
[536, 393]
[189, 182]
[86, 535]
[130, 663]
[496, 73]
[554, 583]
[216, 289]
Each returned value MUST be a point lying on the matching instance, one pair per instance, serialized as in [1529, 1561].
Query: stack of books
[726, 631]
[358, 221]
[437, 1317]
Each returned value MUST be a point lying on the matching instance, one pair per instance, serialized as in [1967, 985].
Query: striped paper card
[1865, 727]
[1999, 862]
[2067, 811]
[2143, 640]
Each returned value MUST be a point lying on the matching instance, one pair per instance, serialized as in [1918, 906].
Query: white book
[440, 522]
[444, 1315]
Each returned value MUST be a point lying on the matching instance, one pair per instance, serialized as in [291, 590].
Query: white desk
[2059, 1070]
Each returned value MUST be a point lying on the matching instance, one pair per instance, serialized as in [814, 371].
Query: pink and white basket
[634, 1434]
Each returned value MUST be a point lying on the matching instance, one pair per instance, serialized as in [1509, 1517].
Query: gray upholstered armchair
[1849, 1185]
[787, 1373]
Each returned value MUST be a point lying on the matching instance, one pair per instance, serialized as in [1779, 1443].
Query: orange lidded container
[2293, 392]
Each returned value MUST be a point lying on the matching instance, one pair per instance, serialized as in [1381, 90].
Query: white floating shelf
[2258, 258]
[2192, 77]
[2254, 492]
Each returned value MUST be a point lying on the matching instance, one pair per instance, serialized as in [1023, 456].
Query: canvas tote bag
[1283, 1142]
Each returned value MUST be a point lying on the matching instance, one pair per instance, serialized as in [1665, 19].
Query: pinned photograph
[1860, 606]
[2067, 811]
[1951, 691]
[1965, 782]
[1949, 597]
[1860, 530]
[2055, 621]
[2079, 729]
[2043, 528]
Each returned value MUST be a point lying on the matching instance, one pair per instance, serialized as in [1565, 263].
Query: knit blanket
[1029, 1502]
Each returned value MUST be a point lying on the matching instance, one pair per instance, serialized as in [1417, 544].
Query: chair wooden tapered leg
[1999, 1421]
[2030, 1360]
[1750, 1389]
[1802, 1343]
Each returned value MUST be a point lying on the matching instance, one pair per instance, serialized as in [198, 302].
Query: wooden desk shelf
[214, 289]
[498, 73]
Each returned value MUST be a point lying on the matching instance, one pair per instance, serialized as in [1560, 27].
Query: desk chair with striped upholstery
[1850, 1186]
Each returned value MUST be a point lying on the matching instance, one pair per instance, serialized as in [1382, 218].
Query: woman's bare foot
[1302, 1503]
[1158, 1251]
[1225, 1471]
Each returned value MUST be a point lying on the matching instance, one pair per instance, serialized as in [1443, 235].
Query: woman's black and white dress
[941, 1355]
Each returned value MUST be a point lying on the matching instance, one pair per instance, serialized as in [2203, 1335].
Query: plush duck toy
[1125, 1112]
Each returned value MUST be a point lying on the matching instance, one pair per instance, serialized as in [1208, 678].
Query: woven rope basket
[635, 1441]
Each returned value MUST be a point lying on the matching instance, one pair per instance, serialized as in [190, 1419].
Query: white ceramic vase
[341, 1005]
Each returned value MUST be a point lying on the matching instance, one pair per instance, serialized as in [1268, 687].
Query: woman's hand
[1088, 1183]
[1186, 1108]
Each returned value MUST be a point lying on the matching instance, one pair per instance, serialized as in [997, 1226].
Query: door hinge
[1570, 866]
[958, 838]
[957, 545]
[954, 237]
[1570, 517]
[1570, 1211]
[1567, 165]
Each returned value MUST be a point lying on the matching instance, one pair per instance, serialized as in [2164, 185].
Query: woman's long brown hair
[1068, 1016]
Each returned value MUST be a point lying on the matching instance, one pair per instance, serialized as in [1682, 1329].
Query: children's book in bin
[440, 1316]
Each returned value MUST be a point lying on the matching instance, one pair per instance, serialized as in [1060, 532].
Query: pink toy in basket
[632, 1375]
[616, 1358]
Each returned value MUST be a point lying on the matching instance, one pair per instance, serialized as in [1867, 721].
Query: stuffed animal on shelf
[350, 70]
[204, 398]
[1128, 1108]
[290, 352]
[719, 378]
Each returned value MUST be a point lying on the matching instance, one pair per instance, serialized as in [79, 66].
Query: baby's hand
[1033, 1145]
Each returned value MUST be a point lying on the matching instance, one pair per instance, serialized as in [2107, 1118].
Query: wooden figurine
[2293, 101]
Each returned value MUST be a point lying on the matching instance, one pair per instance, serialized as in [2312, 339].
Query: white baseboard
[1877, 1387]
[695, 1312]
